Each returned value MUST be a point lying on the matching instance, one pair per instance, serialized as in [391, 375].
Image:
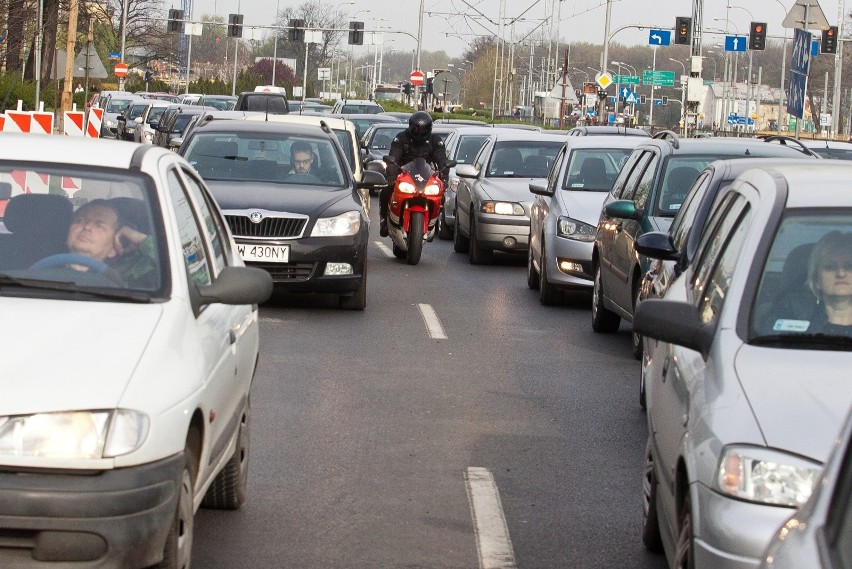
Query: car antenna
[266, 118]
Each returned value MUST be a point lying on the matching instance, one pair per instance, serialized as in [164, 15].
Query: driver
[97, 231]
[301, 157]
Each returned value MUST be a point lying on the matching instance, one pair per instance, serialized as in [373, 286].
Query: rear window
[679, 173]
[522, 159]
[595, 169]
[265, 103]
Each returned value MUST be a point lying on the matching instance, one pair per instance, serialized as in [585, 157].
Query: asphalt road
[517, 439]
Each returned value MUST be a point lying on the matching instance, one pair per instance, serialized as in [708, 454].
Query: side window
[618, 186]
[719, 231]
[553, 178]
[720, 279]
[686, 214]
[636, 176]
[192, 242]
[643, 189]
[210, 217]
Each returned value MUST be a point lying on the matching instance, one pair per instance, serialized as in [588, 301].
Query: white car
[130, 344]
[145, 125]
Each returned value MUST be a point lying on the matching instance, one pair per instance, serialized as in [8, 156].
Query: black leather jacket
[403, 150]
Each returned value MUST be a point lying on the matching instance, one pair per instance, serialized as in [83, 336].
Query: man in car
[301, 158]
[417, 141]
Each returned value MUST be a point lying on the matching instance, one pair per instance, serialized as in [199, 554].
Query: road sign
[114, 55]
[796, 16]
[814, 47]
[627, 79]
[800, 62]
[659, 37]
[120, 70]
[604, 80]
[416, 77]
[625, 92]
[796, 94]
[631, 99]
[659, 78]
[736, 43]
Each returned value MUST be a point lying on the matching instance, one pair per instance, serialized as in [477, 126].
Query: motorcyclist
[417, 141]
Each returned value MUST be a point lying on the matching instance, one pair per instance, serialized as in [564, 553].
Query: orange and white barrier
[93, 127]
[72, 123]
[17, 121]
[42, 123]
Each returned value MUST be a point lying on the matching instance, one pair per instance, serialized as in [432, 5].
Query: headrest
[33, 213]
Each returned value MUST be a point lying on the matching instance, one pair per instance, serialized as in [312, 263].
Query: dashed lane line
[489, 523]
[433, 324]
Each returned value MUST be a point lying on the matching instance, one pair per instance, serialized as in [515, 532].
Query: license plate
[265, 253]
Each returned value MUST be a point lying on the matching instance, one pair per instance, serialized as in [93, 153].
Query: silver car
[564, 215]
[747, 365]
[493, 199]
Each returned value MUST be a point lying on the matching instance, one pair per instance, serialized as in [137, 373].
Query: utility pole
[605, 61]
[67, 89]
[838, 70]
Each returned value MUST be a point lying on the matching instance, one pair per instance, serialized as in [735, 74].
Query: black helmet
[420, 126]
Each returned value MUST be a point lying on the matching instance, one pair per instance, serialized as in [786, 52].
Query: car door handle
[665, 370]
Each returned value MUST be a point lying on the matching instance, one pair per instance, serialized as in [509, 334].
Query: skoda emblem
[256, 217]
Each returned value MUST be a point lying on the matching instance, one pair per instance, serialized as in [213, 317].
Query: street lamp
[682, 96]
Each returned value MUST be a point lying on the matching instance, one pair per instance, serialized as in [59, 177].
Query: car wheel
[548, 294]
[650, 520]
[603, 321]
[178, 550]
[684, 556]
[532, 274]
[228, 490]
[478, 255]
[445, 232]
[637, 338]
[358, 301]
[460, 242]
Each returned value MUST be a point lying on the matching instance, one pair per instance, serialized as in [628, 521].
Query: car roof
[503, 135]
[605, 130]
[580, 142]
[18, 147]
[371, 116]
[808, 183]
[332, 122]
[728, 146]
[260, 126]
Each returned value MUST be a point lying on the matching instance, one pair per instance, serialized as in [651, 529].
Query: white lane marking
[489, 522]
[384, 248]
[432, 322]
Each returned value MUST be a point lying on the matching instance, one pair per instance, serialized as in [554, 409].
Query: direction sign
[735, 43]
[624, 92]
[416, 77]
[801, 60]
[659, 37]
[114, 55]
[814, 47]
[659, 78]
[627, 79]
[796, 94]
[120, 70]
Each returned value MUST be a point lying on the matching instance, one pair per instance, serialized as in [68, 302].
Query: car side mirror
[673, 322]
[625, 209]
[176, 142]
[467, 171]
[237, 285]
[138, 120]
[371, 179]
[657, 245]
[539, 189]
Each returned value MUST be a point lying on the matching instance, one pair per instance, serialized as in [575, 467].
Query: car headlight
[574, 229]
[73, 434]
[432, 190]
[148, 135]
[407, 188]
[502, 208]
[454, 183]
[766, 476]
[344, 224]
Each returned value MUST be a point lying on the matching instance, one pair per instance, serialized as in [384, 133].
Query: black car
[274, 103]
[307, 228]
[173, 124]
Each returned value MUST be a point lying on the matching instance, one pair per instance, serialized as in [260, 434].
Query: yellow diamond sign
[604, 80]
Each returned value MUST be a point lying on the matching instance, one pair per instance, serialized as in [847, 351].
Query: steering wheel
[70, 259]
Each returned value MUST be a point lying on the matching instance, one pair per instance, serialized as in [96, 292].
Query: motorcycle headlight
[574, 229]
[338, 226]
[111, 124]
[432, 190]
[407, 188]
[502, 208]
[766, 476]
[73, 434]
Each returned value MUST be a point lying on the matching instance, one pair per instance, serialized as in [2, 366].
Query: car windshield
[833, 153]
[522, 159]
[181, 121]
[468, 147]
[66, 228]
[594, 169]
[155, 113]
[266, 157]
[117, 105]
[678, 175]
[365, 109]
[383, 137]
[136, 110]
[805, 294]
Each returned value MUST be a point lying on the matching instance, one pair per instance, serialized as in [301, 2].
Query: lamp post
[749, 88]
[275, 41]
[682, 96]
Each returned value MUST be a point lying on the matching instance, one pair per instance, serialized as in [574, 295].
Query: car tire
[445, 232]
[650, 519]
[604, 321]
[228, 490]
[460, 242]
[638, 344]
[532, 274]
[684, 553]
[358, 300]
[478, 255]
[177, 553]
[548, 294]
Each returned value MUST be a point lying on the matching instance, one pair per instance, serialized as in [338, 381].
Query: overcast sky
[450, 25]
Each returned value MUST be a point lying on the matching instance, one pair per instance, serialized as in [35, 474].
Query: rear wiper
[817, 341]
[71, 287]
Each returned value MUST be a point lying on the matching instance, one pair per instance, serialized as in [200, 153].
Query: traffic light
[406, 88]
[297, 30]
[829, 40]
[757, 36]
[148, 75]
[683, 30]
[664, 100]
[176, 24]
[356, 33]
[429, 85]
[235, 25]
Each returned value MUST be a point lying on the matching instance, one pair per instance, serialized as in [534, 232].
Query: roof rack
[669, 135]
[785, 140]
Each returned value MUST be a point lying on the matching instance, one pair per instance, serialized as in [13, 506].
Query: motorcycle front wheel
[415, 238]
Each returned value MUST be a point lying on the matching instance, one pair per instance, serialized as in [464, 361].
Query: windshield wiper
[71, 287]
[815, 341]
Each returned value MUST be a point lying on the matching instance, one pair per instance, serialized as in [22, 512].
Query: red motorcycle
[415, 205]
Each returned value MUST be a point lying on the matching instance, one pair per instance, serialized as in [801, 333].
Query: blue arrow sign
[659, 37]
[735, 43]
[625, 92]
[800, 62]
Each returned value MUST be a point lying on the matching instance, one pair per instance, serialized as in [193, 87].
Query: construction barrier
[93, 127]
[17, 121]
[72, 123]
[42, 123]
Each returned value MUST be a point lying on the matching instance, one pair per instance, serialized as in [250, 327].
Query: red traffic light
[758, 28]
[830, 31]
